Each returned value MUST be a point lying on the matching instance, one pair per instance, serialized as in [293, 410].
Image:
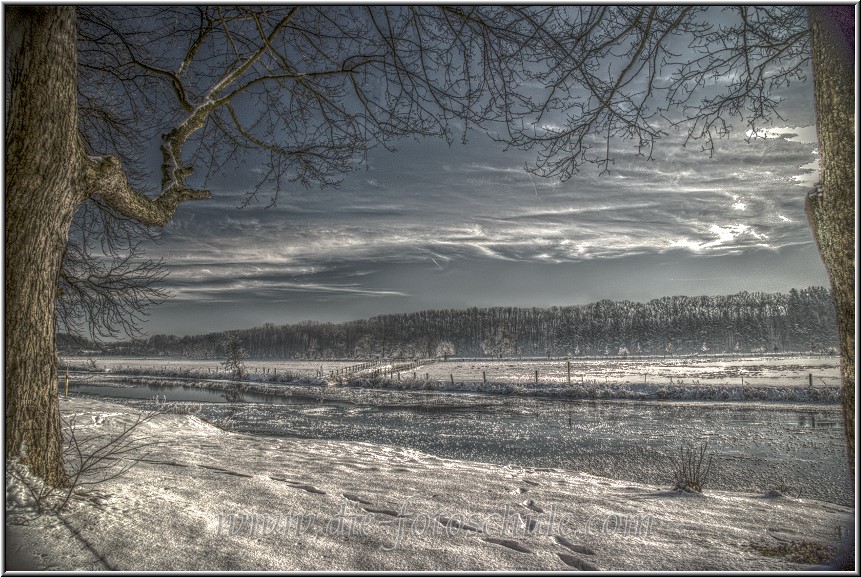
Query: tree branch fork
[104, 177]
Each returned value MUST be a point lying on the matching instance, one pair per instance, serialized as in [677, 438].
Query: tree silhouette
[235, 356]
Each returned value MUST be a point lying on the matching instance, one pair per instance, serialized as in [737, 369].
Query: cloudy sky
[433, 226]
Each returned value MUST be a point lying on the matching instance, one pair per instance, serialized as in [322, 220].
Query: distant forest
[801, 320]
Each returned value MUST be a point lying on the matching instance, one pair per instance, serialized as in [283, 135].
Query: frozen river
[796, 447]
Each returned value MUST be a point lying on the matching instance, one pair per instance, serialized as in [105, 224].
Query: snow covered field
[732, 371]
[206, 366]
[799, 447]
[768, 371]
[206, 499]
[789, 436]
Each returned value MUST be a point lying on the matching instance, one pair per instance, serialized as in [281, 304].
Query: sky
[436, 226]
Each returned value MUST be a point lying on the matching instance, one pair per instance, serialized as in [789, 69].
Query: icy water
[799, 449]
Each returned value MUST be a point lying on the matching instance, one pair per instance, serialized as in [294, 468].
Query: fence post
[451, 376]
[536, 376]
[484, 377]
[809, 378]
[569, 372]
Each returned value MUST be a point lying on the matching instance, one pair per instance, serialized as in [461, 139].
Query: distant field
[755, 371]
[759, 371]
[164, 364]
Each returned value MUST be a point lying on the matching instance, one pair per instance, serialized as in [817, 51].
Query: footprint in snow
[355, 499]
[510, 543]
[576, 547]
[447, 522]
[577, 563]
[168, 463]
[309, 488]
[225, 471]
[388, 512]
[304, 487]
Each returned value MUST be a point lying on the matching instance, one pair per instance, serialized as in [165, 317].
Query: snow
[206, 499]
[779, 378]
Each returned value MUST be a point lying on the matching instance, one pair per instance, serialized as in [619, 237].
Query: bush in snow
[692, 469]
[236, 355]
[90, 460]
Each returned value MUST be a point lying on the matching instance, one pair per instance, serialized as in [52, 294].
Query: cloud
[434, 209]
[801, 134]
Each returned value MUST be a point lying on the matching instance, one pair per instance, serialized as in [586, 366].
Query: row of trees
[800, 320]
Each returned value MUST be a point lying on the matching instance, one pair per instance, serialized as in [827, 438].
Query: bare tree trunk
[48, 174]
[831, 207]
[42, 163]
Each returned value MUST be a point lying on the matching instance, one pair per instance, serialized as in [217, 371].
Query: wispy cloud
[436, 209]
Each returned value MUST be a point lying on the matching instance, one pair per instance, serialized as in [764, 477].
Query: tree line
[801, 320]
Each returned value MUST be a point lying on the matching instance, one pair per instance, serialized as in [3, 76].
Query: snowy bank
[619, 391]
[205, 499]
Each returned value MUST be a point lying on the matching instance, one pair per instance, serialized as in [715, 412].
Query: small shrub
[186, 408]
[692, 469]
[782, 488]
[90, 459]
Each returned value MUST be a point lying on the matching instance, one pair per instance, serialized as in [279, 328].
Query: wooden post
[399, 375]
[809, 378]
[484, 377]
[67, 380]
[569, 372]
[426, 377]
[451, 376]
[536, 376]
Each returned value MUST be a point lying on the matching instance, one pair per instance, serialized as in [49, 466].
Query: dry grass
[692, 469]
[805, 552]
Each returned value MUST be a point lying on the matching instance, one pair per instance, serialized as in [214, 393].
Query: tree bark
[48, 174]
[42, 161]
[831, 206]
